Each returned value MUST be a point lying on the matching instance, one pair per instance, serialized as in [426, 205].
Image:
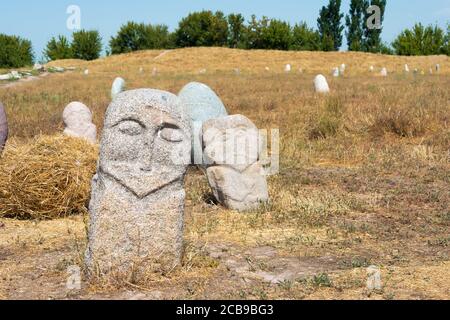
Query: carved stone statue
[137, 200]
[321, 84]
[336, 72]
[232, 147]
[117, 87]
[201, 104]
[78, 121]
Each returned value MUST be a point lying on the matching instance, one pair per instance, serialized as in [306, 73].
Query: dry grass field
[364, 180]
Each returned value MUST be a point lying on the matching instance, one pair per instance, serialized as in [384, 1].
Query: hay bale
[47, 177]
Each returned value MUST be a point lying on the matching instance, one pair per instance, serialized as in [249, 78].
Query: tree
[330, 27]
[420, 40]
[305, 38]
[159, 37]
[129, 38]
[133, 36]
[276, 35]
[202, 29]
[15, 52]
[86, 45]
[219, 30]
[446, 47]
[58, 49]
[372, 36]
[355, 25]
[236, 32]
[255, 31]
[385, 48]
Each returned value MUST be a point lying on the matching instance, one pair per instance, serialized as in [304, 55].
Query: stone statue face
[146, 141]
[231, 141]
[77, 114]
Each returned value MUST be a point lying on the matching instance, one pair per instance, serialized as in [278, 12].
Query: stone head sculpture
[117, 87]
[233, 141]
[78, 122]
[137, 202]
[3, 127]
[321, 84]
[232, 147]
[144, 141]
[336, 72]
[201, 104]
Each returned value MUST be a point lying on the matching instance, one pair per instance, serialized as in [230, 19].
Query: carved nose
[147, 154]
[146, 162]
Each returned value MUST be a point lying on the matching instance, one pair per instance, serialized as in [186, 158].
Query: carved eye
[130, 128]
[171, 133]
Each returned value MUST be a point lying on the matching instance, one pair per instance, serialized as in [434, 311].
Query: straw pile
[48, 177]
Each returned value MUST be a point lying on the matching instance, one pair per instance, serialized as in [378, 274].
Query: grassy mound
[47, 177]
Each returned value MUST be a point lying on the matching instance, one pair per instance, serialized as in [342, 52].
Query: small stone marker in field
[406, 68]
[38, 67]
[371, 69]
[200, 103]
[5, 76]
[57, 69]
[438, 67]
[342, 68]
[384, 72]
[3, 127]
[431, 70]
[78, 122]
[202, 71]
[141, 70]
[137, 200]
[267, 68]
[321, 84]
[336, 72]
[287, 68]
[232, 148]
[16, 75]
[118, 86]
[86, 72]
[237, 71]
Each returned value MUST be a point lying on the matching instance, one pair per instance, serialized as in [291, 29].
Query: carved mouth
[142, 182]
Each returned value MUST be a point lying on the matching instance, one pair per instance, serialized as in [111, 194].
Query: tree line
[207, 29]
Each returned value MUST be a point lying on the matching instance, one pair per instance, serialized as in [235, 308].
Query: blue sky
[40, 20]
